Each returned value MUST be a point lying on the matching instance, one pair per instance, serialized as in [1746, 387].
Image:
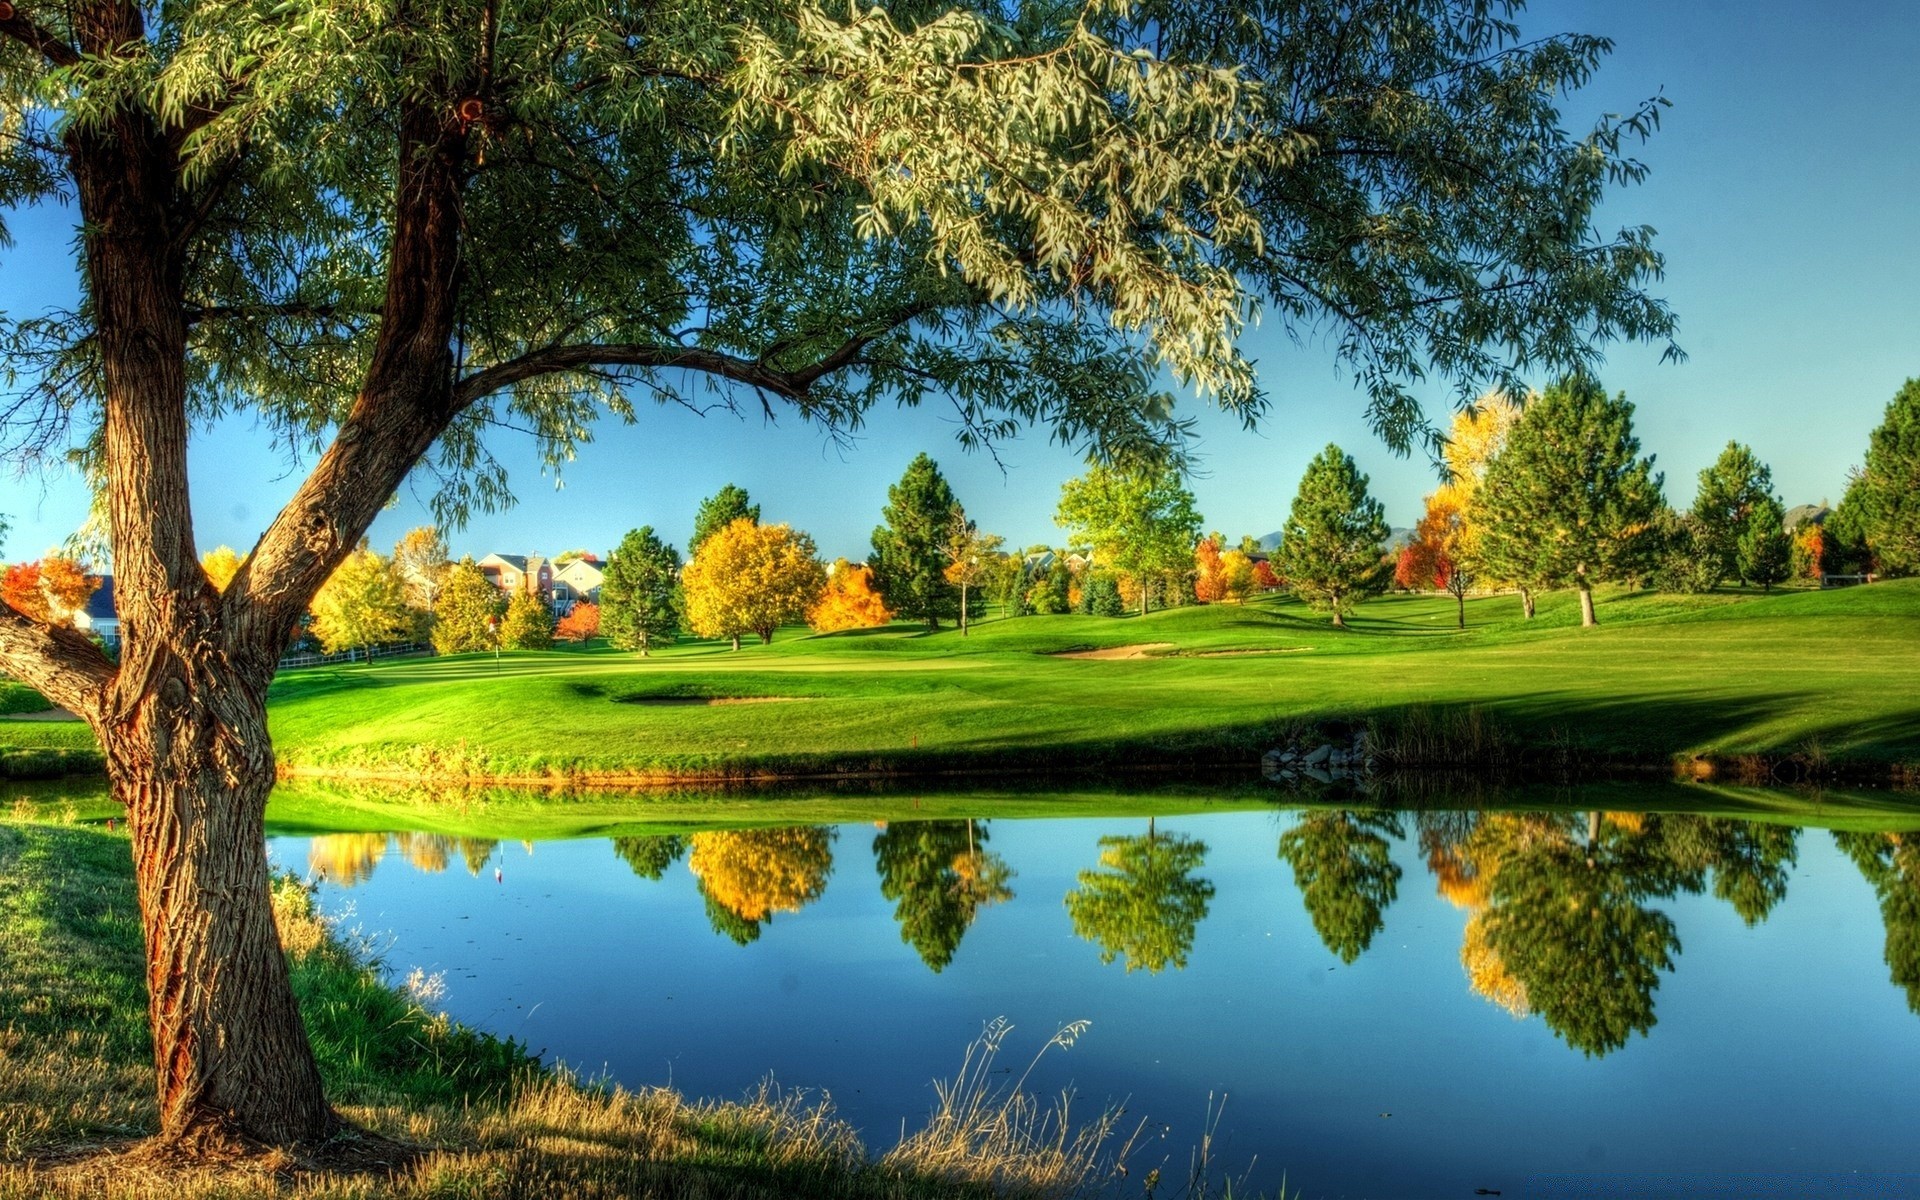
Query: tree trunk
[193, 765]
[963, 610]
[1339, 622]
[1526, 601]
[1460, 598]
[736, 642]
[1586, 606]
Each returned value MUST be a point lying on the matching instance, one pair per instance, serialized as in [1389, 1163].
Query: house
[1805, 514]
[578, 581]
[100, 616]
[519, 573]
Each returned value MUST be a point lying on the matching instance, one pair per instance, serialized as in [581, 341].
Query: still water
[1391, 1003]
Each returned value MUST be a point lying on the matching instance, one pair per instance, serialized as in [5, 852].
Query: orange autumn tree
[748, 875]
[849, 601]
[1437, 555]
[580, 624]
[50, 591]
[1209, 572]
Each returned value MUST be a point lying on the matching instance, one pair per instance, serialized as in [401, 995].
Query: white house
[578, 581]
[99, 616]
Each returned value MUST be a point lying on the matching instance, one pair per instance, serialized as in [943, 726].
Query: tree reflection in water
[939, 875]
[1342, 862]
[348, 859]
[747, 875]
[1144, 903]
[1891, 863]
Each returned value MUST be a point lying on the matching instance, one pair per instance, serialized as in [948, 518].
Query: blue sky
[1786, 193]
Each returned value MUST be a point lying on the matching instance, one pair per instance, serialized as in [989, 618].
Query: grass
[75, 1084]
[1722, 674]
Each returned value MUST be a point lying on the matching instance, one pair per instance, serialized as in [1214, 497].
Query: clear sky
[1786, 193]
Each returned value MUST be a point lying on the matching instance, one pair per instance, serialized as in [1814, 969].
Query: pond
[1522, 998]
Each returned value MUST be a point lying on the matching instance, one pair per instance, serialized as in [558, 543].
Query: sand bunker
[1140, 651]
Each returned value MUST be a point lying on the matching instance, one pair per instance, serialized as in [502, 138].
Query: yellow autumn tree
[1209, 571]
[221, 564]
[1236, 574]
[362, 604]
[849, 600]
[1475, 437]
[754, 873]
[749, 578]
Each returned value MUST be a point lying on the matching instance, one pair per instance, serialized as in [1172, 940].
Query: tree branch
[40, 40]
[58, 662]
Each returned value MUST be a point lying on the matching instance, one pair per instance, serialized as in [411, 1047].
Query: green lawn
[1725, 673]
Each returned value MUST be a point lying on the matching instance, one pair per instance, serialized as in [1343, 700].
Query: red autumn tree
[582, 623]
[50, 591]
[1265, 578]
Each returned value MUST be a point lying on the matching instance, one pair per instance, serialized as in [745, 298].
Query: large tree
[1569, 501]
[637, 602]
[909, 546]
[751, 578]
[1144, 903]
[1887, 490]
[386, 228]
[1141, 523]
[1330, 548]
[1731, 490]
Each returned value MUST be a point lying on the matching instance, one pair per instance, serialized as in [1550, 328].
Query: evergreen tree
[939, 878]
[1679, 558]
[1889, 485]
[1846, 551]
[1731, 490]
[637, 607]
[467, 611]
[718, 511]
[1569, 501]
[528, 624]
[1765, 550]
[909, 561]
[1330, 548]
[1343, 866]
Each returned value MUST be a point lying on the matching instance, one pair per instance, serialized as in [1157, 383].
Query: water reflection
[1564, 916]
[939, 876]
[1144, 902]
[1891, 863]
[748, 875]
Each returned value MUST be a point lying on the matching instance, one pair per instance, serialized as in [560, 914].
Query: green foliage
[1144, 903]
[1103, 595]
[718, 511]
[1052, 590]
[1681, 561]
[1846, 550]
[1888, 486]
[467, 613]
[908, 561]
[638, 607]
[1141, 523]
[1765, 547]
[1568, 501]
[1006, 584]
[1330, 548]
[938, 878]
[19, 698]
[1730, 492]
[528, 624]
[650, 856]
[1343, 865]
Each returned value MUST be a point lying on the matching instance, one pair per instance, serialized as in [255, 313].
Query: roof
[517, 561]
[100, 605]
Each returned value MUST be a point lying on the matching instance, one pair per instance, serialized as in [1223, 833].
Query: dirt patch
[702, 701]
[51, 714]
[1143, 650]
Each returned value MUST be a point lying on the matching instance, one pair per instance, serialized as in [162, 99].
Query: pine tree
[909, 562]
[1765, 550]
[1330, 548]
[718, 511]
[1730, 491]
[1569, 501]
[637, 606]
[1889, 485]
[467, 612]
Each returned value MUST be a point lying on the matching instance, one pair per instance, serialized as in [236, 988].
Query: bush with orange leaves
[849, 601]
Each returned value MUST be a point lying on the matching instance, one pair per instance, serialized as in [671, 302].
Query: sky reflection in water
[1395, 1003]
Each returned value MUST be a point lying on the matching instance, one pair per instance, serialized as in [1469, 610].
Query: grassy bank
[75, 1083]
[1830, 676]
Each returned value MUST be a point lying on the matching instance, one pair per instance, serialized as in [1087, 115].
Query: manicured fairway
[1724, 673]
